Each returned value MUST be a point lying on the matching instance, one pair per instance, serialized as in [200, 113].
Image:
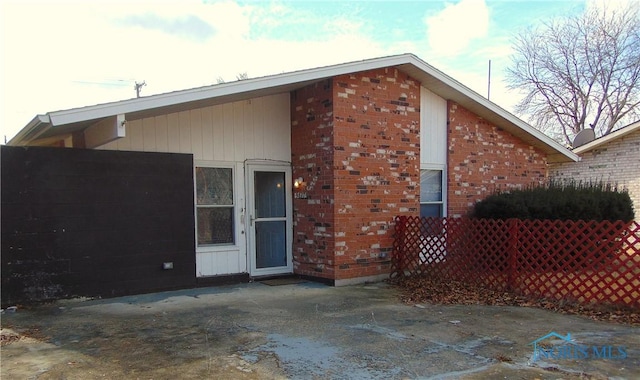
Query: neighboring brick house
[304, 172]
[614, 159]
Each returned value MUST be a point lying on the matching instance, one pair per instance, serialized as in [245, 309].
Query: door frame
[251, 166]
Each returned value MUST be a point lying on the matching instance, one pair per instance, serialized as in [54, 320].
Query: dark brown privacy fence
[577, 261]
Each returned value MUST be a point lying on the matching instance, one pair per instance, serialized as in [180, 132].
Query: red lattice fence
[579, 261]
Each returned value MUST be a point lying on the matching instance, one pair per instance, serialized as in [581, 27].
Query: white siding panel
[219, 262]
[233, 132]
[185, 132]
[149, 135]
[277, 133]
[227, 132]
[258, 128]
[225, 262]
[239, 136]
[207, 134]
[249, 130]
[196, 133]
[217, 119]
[132, 129]
[433, 128]
[137, 135]
[204, 264]
[162, 143]
[173, 132]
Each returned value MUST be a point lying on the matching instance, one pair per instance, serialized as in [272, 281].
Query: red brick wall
[355, 140]
[483, 158]
[312, 159]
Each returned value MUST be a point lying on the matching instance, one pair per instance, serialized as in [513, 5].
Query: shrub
[568, 200]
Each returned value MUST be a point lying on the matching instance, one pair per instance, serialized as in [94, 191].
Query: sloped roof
[597, 143]
[66, 121]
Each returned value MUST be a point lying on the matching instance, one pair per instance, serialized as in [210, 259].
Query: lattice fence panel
[581, 261]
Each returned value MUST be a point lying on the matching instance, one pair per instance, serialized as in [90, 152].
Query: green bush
[559, 200]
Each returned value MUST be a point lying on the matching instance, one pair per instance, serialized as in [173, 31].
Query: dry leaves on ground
[417, 290]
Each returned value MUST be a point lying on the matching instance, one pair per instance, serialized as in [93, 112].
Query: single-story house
[613, 158]
[304, 172]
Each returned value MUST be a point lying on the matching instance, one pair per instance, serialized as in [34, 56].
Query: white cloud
[453, 28]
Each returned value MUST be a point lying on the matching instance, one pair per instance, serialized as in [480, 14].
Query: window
[431, 195]
[214, 206]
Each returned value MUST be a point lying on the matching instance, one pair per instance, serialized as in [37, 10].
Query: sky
[57, 55]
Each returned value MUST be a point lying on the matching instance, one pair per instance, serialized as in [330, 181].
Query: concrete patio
[301, 330]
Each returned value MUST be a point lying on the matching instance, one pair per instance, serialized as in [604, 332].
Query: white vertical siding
[162, 134]
[258, 134]
[258, 128]
[207, 134]
[228, 126]
[148, 134]
[196, 134]
[218, 133]
[433, 128]
[173, 133]
[231, 132]
[184, 132]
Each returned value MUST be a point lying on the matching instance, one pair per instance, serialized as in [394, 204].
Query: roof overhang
[69, 121]
[608, 138]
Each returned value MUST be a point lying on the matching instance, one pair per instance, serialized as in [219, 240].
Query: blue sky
[59, 55]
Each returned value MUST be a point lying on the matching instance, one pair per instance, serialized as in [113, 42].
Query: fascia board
[77, 115]
[37, 126]
[492, 107]
[225, 89]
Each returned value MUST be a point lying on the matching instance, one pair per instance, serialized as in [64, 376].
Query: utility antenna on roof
[138, 87]
[489, 83]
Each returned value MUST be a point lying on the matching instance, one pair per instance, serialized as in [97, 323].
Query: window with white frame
[431, 193]
[214, 206]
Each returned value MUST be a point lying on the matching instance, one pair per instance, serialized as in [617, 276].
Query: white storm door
[270, 231]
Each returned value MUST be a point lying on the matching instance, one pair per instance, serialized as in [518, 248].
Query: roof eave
[608, 138]
[446, 87]
[556, 152]
[76, 115]
[36, 127]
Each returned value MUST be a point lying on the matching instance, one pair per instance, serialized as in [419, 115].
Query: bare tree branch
[580, 72]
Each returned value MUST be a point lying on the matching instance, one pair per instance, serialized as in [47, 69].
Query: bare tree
[579, 72]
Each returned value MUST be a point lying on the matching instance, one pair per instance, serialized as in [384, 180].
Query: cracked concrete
[299, 331]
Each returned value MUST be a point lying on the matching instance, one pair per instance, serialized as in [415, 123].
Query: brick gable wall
[617, 162]
[357, 147]
[484, 158]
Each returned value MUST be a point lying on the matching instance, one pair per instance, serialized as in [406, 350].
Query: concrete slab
[304, 331]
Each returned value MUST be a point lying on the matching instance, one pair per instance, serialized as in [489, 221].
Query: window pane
[271, 248]
[215, 225]
[427, 210]
[430, 185]
[270, 194]
[214, 186]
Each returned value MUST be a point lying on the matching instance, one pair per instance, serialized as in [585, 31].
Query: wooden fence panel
[577, 261]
